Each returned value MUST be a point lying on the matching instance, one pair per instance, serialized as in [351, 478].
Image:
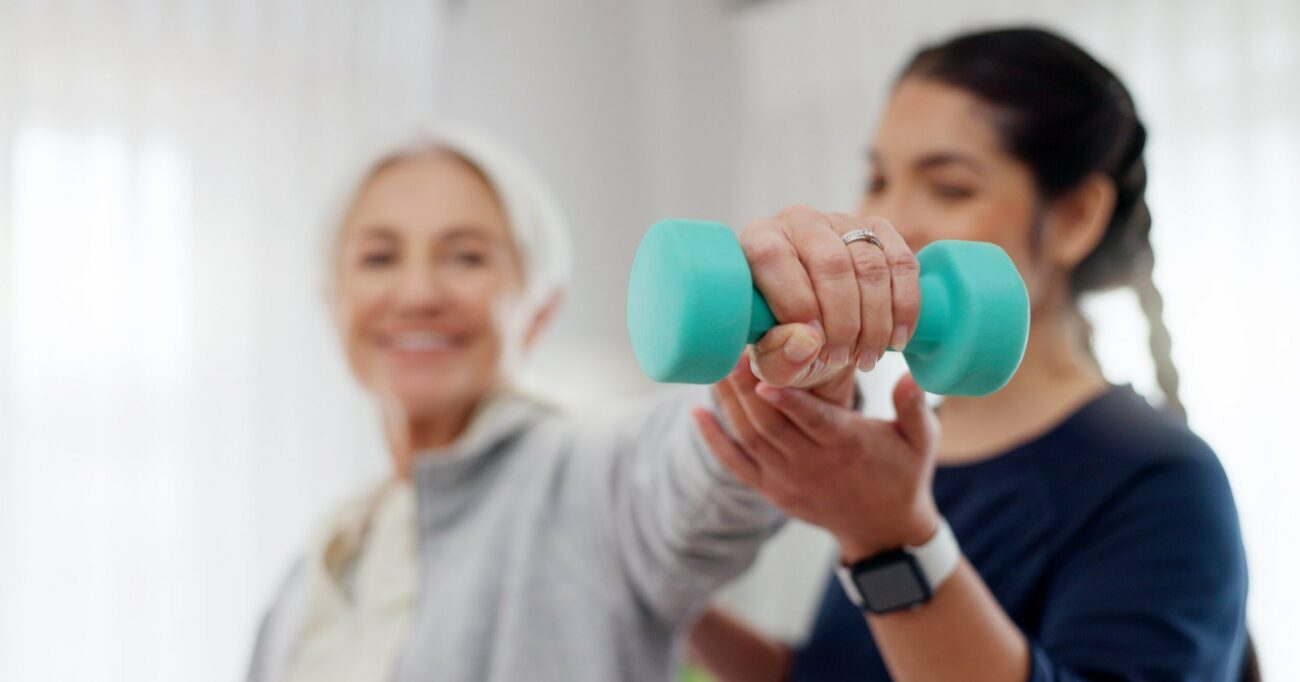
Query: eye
[950, 192]
[378, 259]
[875, 185]
[470, 258]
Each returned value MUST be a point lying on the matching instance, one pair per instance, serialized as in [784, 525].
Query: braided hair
[1067, 117]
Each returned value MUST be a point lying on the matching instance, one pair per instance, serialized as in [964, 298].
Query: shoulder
[1119, 445]
[1126, 480]
[1153, 557]
[1133, 479]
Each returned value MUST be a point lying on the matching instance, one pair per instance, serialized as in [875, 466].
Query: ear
[543, 318]
[1077, 221]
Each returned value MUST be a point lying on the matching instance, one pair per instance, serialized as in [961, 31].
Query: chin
[433, 398]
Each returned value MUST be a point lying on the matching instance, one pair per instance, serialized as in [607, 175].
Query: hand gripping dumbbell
[692, 308]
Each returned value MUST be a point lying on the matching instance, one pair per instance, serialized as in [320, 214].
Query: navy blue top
[1112, 541]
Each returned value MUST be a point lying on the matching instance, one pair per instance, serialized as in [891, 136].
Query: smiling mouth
[422, 343]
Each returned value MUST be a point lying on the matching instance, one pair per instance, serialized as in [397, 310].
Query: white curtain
[175, 412]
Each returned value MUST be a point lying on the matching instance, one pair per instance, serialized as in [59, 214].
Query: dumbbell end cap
[688, 301]
[984, 322]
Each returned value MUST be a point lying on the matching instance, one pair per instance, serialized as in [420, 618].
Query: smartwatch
[903, 578]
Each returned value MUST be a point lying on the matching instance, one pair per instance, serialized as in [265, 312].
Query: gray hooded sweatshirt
[552, 550]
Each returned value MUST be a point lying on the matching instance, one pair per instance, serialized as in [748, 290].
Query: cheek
[492, 305]
[1012, 227]
[988, 219]
[1005, 221]
[1008, 224]
[359, 304]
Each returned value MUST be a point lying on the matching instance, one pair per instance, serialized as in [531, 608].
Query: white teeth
[422, 341]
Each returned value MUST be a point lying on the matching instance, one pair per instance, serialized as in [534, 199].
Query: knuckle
[870, 267]
[822, 423]
[843, 223]
[776, 431]
[759, 227]
[749, 440]
[831, 264]
[841, 438]
[903, 263]
[763, 248]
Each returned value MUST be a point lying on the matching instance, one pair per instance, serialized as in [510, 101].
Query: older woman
[510, 543]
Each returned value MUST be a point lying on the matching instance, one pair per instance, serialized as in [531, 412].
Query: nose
[421, 290]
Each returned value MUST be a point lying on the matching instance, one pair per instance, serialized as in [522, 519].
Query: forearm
[960, 635]
[733, 652]
[681, 525]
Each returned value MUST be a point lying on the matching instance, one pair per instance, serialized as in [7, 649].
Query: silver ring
[862, 236]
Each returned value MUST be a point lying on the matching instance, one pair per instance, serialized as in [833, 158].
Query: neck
[409, 434]
[1056, 377]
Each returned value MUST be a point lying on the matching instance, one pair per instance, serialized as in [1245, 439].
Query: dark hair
[1067, 117]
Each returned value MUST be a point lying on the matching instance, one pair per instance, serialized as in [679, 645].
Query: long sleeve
[1157, 587]
[681, 525]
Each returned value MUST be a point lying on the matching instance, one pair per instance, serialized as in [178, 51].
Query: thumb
[915, 420]
[786, 353]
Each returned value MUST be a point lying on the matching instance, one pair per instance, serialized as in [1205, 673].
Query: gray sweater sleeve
[681, 525]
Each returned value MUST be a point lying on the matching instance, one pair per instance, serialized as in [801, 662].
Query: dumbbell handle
[933, 318]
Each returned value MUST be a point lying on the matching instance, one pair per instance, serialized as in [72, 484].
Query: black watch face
[891, 582]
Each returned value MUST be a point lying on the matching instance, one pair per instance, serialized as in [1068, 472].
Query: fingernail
[799, 347]
[839, 358]
[899, 340]
[867, 362]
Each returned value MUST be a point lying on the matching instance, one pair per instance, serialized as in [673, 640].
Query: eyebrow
[377, 232]
[457, 231]
[935, 160]
[466, 231]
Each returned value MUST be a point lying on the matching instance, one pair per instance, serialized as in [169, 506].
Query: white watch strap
[938, 558]
[850, 588]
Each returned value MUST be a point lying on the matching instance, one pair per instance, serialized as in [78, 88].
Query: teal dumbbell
[692, 308]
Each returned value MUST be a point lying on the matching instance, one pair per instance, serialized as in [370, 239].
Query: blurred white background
[174, 413]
